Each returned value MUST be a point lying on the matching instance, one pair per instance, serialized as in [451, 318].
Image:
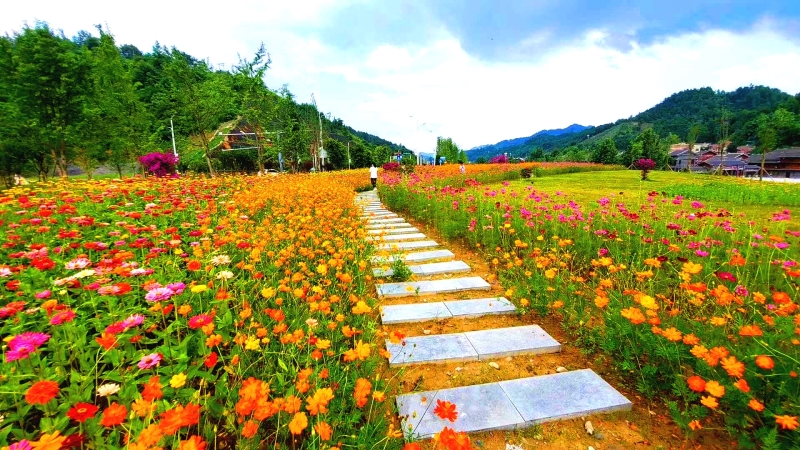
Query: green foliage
[447, 149]
[605, 153]
[400, 271]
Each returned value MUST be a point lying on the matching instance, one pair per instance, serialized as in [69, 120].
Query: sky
[477, 71]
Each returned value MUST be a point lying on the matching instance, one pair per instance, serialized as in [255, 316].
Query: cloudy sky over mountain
[478, 71]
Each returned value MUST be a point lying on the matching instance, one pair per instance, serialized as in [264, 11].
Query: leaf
[282, 365]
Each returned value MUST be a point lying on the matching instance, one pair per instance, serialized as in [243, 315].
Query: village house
[781, 163]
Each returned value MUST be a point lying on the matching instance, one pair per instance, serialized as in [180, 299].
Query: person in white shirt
[373, 175]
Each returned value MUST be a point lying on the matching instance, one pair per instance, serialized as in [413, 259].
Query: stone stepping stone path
[501, 405]
[416, 257]
[512, 404]
[428, 269]
[432, 287]
[472, 346]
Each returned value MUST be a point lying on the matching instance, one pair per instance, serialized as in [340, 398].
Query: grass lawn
[757, 200]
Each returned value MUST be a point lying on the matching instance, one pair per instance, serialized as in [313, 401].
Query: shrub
[159, 164]
[392, 166]
[525, 173]
[500, 159]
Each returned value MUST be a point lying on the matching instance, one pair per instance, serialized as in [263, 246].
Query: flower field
[697, 306]
[189, 313]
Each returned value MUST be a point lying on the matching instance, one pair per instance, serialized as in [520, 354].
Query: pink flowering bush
[159, 164]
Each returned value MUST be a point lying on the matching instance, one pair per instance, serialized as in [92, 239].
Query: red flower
[446, 410]
[211, 360]
[194, 265]
[41, 392]
[200, 321]
[82, 411]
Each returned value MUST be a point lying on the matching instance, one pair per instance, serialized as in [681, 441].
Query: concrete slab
[400, 246]
[463, 309]
[500, 342]
[398, 237]
[415, 257]
[383, 226]
[428, 269]
[394, 230]
[563, 396]
[392, 220]
[438, 348]
[382, 215]
[481, 407]
[432, 287]
[415, 312]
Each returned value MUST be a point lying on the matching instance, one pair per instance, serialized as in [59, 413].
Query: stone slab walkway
[432, 287]
[455, 309]
[428, 269]
[512, 404]
[472, 346]
[493, 406]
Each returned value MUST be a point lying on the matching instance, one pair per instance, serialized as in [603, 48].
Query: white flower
[107, 389]
[220, 260]
[5, 272]
[84, 273]
[225, 275]
[312, 323]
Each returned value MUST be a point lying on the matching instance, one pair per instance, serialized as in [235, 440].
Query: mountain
[711, 114]
[512, 144]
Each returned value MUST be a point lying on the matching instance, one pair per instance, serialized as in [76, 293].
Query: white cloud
[455, 94]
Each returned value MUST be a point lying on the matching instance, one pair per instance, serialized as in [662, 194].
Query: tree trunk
[57, 161]
[206, 151]
[761, 172]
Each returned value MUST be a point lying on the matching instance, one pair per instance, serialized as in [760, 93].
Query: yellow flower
[199, 288]
[648, 302]
[322, 269]
[177, 381]
[550, 273]
[692, 268]
[252, 343]
[268, 292]
[361, 308]
[323, 344]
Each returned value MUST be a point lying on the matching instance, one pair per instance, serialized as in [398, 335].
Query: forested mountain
[87, 102]
[756, 115]
[514, 144]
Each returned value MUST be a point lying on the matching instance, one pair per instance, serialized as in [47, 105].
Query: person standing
[462, 169]
[373, 176]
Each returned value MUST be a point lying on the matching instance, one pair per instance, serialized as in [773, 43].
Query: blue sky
[478, 71]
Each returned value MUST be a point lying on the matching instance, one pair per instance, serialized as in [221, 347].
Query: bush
[159, 164]
[500, 159]
[645, 165]
[525, 173]
[392, 166]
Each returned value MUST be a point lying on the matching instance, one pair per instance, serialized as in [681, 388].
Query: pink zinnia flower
[43, 295]
[200, 321]
[177, 288]
[133, 321]
[33, 339]
[159, 294]
[21, 445]
[149, 361]
[62, 316]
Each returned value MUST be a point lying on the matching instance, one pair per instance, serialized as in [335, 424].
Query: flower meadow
[697, 307]
[189, 313]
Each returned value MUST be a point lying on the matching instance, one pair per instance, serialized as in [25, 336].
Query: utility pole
[172, 129]
[348, 155]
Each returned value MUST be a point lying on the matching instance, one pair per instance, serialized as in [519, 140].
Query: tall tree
[52, 79]
[258, 104]
[606, 152]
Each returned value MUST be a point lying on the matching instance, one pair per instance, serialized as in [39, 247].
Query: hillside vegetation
[755, 115]
[87, 102]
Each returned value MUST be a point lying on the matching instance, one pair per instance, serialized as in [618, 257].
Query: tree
[536, 155]
[446, 148]
[767, 140]
[258, 104]
[481, 160]
[652, 147]
[52, 79]
[204, 96]
[605, 152]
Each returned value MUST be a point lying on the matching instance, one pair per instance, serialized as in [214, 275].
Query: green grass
[737, 196]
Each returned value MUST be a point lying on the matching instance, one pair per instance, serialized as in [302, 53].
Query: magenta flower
[43, 295]
[21, 445]
[133, 321]
[199, 321]
[727, 276]
[149, 361]
[22, 345]
[159, 294]
[177, 288]
[701, 253]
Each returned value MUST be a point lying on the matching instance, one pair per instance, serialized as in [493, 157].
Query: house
[745, 149]
[729, 164]
[682, 159]
[781, 163]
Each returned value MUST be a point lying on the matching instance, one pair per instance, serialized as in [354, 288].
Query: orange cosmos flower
[691, 339]
[114, 415]
[699, 351]
[696, 383]
[41, 392]
[733, 366]
[150, 436]
[107, 341]
[299, 423]
[750, 331]
[446, 410]
[742, 385]
[635, 315]
[452, 440]
[193, 443]
[324, 430]
[672, 334]
[765, 362]
[292, 404]
[695, 425]
[709, 402]
[250, 429]
[715, 389]
[361, 391]
[787, 422]
[691, 268]
[601, 302]
[360, 352]
[755, 405]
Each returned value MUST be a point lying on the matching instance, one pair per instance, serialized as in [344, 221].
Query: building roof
[725, 161]
[776, 156]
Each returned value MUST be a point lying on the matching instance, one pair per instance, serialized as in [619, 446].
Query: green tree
[536, 155]
[605, 152]
[767, 139]
[652, 147]
[258, 105]
[447, 149]
[51, 81]
[203, 95]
